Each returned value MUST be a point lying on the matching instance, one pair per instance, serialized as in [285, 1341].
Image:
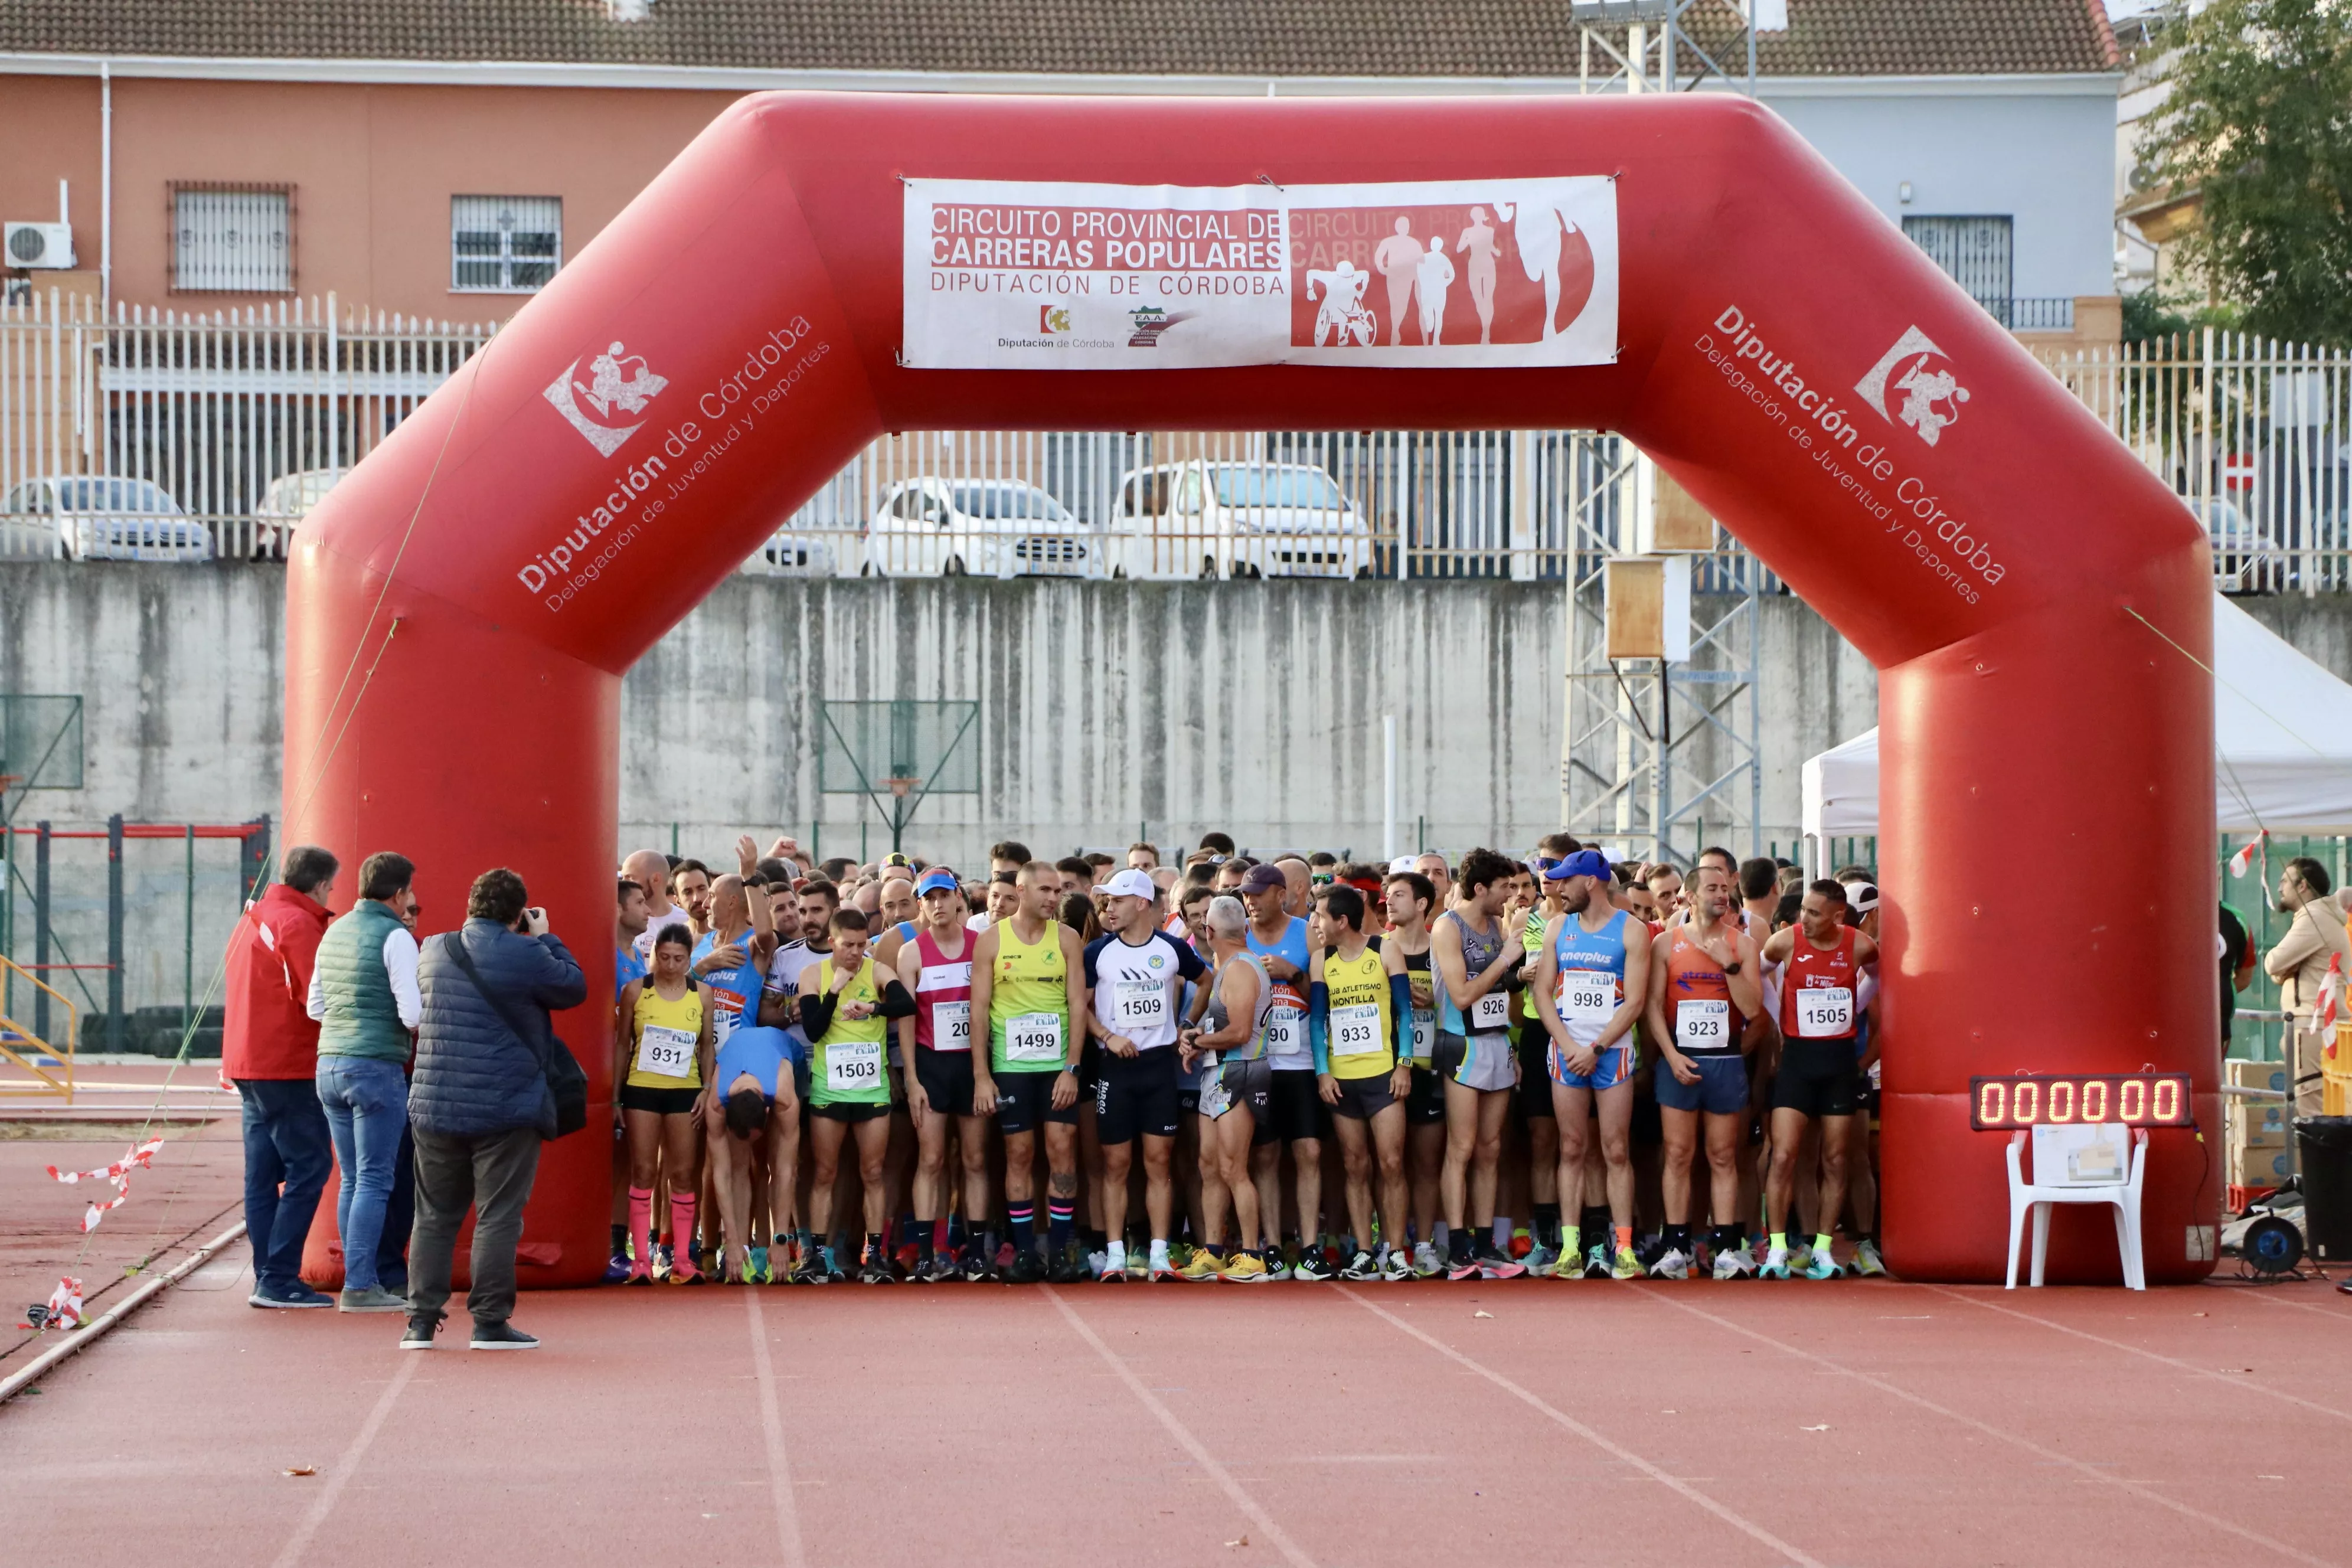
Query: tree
[2259, 122]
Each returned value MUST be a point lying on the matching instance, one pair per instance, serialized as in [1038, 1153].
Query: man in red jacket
[270, 1049]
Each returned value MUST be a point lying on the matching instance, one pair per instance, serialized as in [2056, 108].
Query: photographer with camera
[482, 1100]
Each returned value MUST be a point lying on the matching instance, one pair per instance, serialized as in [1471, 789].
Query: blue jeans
[286, 1145]
[366, 1101]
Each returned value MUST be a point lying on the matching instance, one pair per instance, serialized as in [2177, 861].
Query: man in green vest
[364, 994]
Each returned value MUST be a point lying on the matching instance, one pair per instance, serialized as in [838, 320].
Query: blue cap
[937, 880]
[1583, 863]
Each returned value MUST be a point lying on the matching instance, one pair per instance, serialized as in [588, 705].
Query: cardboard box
[2254, 1075]
[2257, 1115]
[2260, 1167]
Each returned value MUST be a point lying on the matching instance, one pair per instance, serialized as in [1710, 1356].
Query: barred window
[504, 245]
[1973, 251]
[233, 239]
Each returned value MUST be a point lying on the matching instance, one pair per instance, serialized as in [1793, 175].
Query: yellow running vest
[1029, 1003]
[1363, 1042]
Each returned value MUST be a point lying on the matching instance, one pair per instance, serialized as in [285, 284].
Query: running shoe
[812, 1270]
[1426, 1264]
[1028, 1268]
[1246, 1269]
[1674, 1263]
[1542, 1262]
[1464, 1268]
[689, 1276]
[1311, 1268]
[976, 1267]
[1800, 1257]
[662, 1261]
[1107, 1274]
[1626, 1267]
[1201, 1268]
[1776, 1265]
[908, 1257]
[1278, 1265]
[755, 1272]
[1398, 1267]
[1867, 1264]
[1495, 1264]
[877, 1271]
[1596, 1261]
[1070, 1267]
[617, 1270]
[1362, 1266]
[1823, 1266]
[638, 1276]
[1166, 1273]
[940, 1270]
[1736, 1264]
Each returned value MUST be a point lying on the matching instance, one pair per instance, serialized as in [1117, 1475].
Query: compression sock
[1624, 1239]
[681, 1224]
[1022, 1221]
[1547, 1225]
[1458, 1246]
[1499, 1233]
[1779, 1241]
[1441, 1236]
[874, 1252]
[924, 1244]
[1115, 1257]
[641, 1225]
[1061, 1222]
[1678, 1238]
[1595, 1222]
[1730, 1238]
[1572, 1240]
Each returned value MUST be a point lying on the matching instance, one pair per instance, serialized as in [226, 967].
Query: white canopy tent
[2282, 746]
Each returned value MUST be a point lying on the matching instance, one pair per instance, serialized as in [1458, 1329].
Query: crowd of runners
[1565, 1066]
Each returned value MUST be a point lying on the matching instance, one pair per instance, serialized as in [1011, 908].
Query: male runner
[845, 1009]
[649, 869]
[689, 884]
[1136, 975]
[1531, 1106]
[895, 907]
[1431, 864]
[1295, 1050]
[936, 970]
[1666, 885]
[1370, 1078]
[1231, 1040]
[1190, 1160]
[1821, 960]
[1476, 959]
[1760, 895]
[1028, 980]
[1704, 988]
[1410, 896]
[1142, 856]
[1591, 981]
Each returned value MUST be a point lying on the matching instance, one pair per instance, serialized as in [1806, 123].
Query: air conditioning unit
[38, 245]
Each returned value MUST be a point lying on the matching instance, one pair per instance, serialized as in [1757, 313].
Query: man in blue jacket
[480, 1104]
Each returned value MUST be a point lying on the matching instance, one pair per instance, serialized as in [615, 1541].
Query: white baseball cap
[1130, 884]
[1400, 864]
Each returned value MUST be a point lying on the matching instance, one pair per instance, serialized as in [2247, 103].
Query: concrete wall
[1105, 710]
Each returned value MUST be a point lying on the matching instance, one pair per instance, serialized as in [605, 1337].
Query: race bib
[1140, 1004]
[951, 1025]
[1356, 1031]
[726, 1013]
[943, 977]
[1492, 1011]
[665, 1053]
[1033, 1037]
[1824, 1011]
[1424, 1037]
[1286, 1034]
[1703, 1025]
[1587, 996]
[853, 1067]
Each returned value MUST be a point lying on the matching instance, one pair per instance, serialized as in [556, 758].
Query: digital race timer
[2045, 1099]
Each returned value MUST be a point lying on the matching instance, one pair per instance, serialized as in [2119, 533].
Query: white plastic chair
[2124, 1195]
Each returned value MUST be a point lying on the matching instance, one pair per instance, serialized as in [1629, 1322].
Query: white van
[1209, 519]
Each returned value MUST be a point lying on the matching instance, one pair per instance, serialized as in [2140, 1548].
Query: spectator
[481, 1104]
[269, 1049]
[363, 994]
[2299, 964]
[2236, 952]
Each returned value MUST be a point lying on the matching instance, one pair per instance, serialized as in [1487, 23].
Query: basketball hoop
[903, 786]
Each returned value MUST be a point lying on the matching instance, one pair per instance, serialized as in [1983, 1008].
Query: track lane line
[324, 1503]
[1616, 1450]
[2336, 1313]
[772, 1427]
[2137, 1489]
[2173, 1362]
[1183, 1435]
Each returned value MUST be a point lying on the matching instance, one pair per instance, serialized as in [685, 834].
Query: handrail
[10, 1029]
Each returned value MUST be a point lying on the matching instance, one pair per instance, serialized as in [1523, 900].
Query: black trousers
[490, 1173]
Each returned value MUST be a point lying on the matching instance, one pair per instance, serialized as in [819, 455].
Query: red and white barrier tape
[117, 1175]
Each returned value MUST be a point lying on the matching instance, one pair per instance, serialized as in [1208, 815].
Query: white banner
[1441, 274]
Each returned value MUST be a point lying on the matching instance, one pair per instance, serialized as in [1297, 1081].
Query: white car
[284, 505]
[980, 528]
[792, 555]
[1207, 518]
[94, 518]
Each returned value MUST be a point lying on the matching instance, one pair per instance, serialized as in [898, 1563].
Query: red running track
[1358, 1425]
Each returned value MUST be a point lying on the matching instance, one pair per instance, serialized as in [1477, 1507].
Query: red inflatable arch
[462, 613]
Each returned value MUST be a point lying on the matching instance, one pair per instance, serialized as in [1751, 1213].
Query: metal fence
[214, 434]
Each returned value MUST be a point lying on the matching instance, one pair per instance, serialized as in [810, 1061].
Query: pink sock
[641, 1227]
[681, 1223]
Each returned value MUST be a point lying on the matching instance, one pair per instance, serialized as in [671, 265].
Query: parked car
[95, 518]
[792, 555]
[1236, 520]
[2244, 558]
[284, 505]
[983, 528]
